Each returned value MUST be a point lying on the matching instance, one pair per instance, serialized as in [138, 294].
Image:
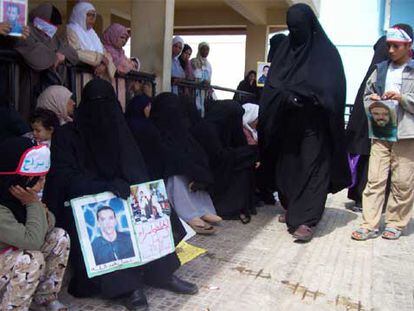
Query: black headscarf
[358, 141]
[11, 151]
[275, 42]
[112, 152]
[184, 156]
[146, 135]
[307, 69]
[227, 116]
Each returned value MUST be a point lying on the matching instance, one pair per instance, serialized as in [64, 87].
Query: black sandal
[245, 219]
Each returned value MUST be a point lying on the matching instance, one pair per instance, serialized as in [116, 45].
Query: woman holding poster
[93, 154]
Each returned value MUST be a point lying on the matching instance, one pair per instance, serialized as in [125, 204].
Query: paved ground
[259, 267]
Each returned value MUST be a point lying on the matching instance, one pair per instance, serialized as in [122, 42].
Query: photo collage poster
[15, 13]
[118, 234]
[383, 120]
[262, 73]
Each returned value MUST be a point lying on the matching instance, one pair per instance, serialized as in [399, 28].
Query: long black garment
[148, 139]
[358, 142]
[97, 153]
[231, 158]
[183, 154]
[301, 120]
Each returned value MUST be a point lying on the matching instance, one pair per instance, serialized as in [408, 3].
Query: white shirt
[393, 81]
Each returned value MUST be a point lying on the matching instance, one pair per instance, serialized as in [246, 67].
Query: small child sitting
[33, 253]
[250, 120]
[43, 123]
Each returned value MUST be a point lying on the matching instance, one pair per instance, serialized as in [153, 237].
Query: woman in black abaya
[186, 166]
[97, 153]
[231, 159]
[301, 122]
[358, 142]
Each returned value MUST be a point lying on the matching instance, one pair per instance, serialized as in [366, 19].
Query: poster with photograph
[118, 234]
[14, 12]
[262, 71]
[382, 120]
[151, 215]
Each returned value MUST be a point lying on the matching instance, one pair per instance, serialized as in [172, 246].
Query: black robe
[183, 154]
[245, 86]
[301, 120]
[93, 154]
[358, 142]
[231, 158]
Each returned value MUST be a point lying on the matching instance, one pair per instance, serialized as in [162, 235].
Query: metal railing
[201, 92]
[124, 84]
[13, 68]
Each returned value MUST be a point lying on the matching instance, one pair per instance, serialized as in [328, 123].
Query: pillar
[256, 45]
[152, 26]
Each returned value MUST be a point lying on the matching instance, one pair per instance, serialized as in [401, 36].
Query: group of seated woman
[207, 164]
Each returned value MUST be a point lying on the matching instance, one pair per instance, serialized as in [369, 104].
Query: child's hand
[374, 97]
[392, 95]
[26, 196]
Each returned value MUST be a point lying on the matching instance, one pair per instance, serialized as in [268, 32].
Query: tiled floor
[259, 267]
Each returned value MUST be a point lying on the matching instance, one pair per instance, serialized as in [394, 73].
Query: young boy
[33, 253]
[393, 79]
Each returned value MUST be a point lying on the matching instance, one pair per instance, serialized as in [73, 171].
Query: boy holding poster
[392, 81]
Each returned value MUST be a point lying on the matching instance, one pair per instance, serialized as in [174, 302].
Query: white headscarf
[88, 38]
[177, 39]
[251, 113]
[55, 98]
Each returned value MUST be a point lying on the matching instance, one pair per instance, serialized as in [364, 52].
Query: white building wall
[354, 27]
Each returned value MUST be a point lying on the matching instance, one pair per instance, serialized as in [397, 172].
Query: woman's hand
[60, 58]
[25, 32]
[105, 60]
[5, 28]
[100, 70]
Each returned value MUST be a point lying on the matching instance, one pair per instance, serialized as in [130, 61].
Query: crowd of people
[219, 161]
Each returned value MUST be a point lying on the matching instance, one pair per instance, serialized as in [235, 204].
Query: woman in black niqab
[93, 154]
[186, 166]
[301, 122]
[232, 160]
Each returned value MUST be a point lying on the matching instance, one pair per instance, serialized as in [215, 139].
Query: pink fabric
[110, 37]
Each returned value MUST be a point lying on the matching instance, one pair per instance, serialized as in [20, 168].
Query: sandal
[391, 233]
[245, 219]
[205, 229]
[363, 234]
[303, 233]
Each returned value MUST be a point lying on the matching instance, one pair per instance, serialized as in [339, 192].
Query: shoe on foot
[179, 286]
[137, 301]
[303, 233]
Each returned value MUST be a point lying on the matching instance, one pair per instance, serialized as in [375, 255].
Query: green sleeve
[29, 236]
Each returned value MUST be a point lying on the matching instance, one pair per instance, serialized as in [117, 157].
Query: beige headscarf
[55, 98]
